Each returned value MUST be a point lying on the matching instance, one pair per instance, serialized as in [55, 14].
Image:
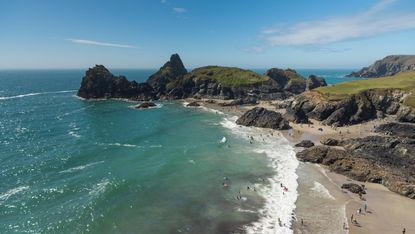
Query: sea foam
[11, 192]
[34, 94]
[279, 204]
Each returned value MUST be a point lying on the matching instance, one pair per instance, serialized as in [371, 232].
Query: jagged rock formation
[170, 71]
[386, 160]
[313, 82]
[98, 82]
[263, 118]
[193, 104]
[357, 108]
[387, 66]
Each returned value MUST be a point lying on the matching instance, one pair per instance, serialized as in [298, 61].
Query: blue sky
[244, 33]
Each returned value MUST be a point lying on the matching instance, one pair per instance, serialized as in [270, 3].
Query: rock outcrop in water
[263, 118]
[146, 105]
[98, 82]
[379, 159]
[387, 66]
[357, 108]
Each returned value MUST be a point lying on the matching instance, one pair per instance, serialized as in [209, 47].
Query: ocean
[73, 166]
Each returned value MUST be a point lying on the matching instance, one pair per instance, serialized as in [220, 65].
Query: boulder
[354, 188]
[145, 105]
[397, 129]
[313, 82]
[263, 118]
[305, 144]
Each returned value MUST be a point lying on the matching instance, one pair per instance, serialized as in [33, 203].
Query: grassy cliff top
[403, 81]
[229, 76]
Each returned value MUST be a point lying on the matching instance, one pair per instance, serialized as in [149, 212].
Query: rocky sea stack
[387, 66]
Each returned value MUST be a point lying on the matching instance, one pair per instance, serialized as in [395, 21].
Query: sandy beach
[387, 212]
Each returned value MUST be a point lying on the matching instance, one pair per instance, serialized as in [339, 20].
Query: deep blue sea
[74, 166]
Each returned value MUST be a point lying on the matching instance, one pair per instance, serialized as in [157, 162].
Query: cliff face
[98, 82]
[387, 66]
[357, 108]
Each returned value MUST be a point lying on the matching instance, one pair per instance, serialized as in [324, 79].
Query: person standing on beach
[351, 219]
[403, 231]
[365, 206]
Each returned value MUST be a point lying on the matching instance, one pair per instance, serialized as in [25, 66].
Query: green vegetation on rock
[228, 76]
[402, 81]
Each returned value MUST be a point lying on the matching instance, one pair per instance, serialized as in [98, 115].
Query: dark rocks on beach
[354, 188]
[145, 105]
[313, 82]
[379, 159]
[387, 66]
[305, 144]
[329, 141]
[193, 104]
[263, 118]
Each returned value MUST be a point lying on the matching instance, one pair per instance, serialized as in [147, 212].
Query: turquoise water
[73, 166]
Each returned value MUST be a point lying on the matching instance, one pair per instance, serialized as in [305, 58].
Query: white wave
[321, 191]
[99, 188]
[78, 168]
[11, 192]
[120, 145]
[279, 204]
[74, 134]
[34, 94]
[158, 105]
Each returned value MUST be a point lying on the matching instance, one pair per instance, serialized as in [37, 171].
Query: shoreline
[381, 202]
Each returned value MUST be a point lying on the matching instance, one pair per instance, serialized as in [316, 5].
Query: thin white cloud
[99, 43]
[179, 10]
[372, 22]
